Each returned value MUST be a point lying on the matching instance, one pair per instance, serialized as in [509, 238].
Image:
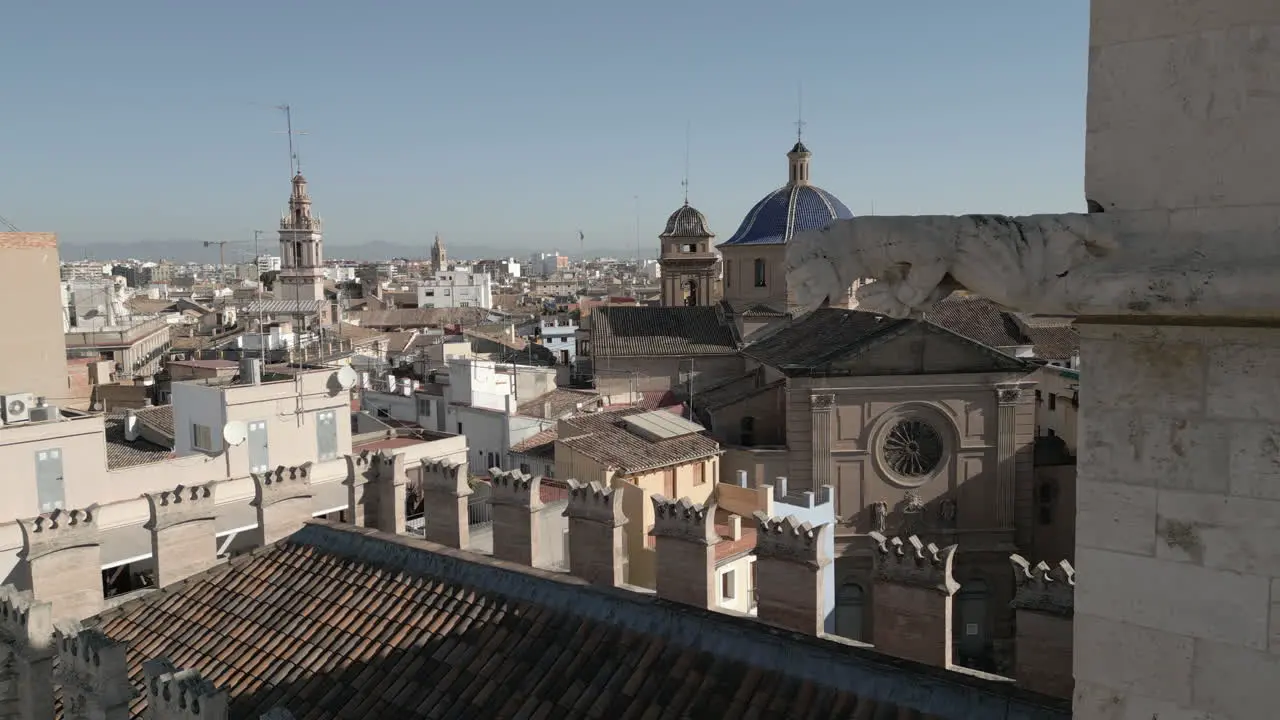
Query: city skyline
[494, 131]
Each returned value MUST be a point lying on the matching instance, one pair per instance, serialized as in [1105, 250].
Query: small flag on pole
[581, 237]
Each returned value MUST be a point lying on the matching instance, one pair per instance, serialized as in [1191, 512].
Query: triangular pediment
[918, 348]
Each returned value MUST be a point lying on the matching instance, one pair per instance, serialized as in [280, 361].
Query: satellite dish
[346, 377]
[98, 406]
[235, 432]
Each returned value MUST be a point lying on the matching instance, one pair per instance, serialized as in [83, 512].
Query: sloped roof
[418, 317]
[978, 318]
[622, 331]
[600, 437]
[339, 621]
[561, 401]
[812, 342]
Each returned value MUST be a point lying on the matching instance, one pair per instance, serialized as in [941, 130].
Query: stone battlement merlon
[181, 693]
[282, 483]
[59, 530]
[684, 519]
[180, 505]
[912, 562]
[512, 487]
[26, 625]
[91, 662]
[443, 476]
[1043, 587]
[594, 502]
[788, 538]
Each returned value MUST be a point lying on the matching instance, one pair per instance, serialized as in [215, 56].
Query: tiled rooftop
[978, 318]
[123, 454]
[661, 331]
[344, 622]
[561, 400]
[603, 440]
[542, 444]
[159, 419]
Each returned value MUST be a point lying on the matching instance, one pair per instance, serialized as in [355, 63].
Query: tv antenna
[688, 129]
[295, 162]
[799, 111]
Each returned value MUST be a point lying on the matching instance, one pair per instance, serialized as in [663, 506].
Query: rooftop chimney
[515, 501]
[912, 599]
[28, 629]
[183, 534]
[61, 549]
[130, 425]
[445, 497]
[283, 499]
[686, 540]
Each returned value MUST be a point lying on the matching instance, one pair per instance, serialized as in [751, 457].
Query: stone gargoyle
[915, 261]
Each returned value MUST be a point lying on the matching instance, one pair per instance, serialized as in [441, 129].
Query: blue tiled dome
[792, 208]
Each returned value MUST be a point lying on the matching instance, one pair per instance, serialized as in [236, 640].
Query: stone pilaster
[515, 502]
[61, 549]
[1007, 399]
[26, 631]
[93, 671]
[822, 429]
[283, 499]
[791, 562]
[912, 599]
[597, 547]
[174, 694]
[390, 482]
[445, 492]
[686, 539]
[183, 532]
[1044, 601]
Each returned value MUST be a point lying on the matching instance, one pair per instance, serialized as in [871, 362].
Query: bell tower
[689, 265]
[301, 249]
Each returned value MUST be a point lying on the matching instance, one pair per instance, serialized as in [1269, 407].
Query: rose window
[913, 448]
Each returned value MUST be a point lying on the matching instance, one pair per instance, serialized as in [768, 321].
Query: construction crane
[222, 254]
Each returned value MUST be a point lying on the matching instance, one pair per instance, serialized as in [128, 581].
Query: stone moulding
[790, 539]
[685, 520]
[283, 483]
[182, 504]
[26, 626]
[181, 693]
[1043, 587]
[442, 476]
[512, 487]
[912, 562]
[596, 503]
[59, 530]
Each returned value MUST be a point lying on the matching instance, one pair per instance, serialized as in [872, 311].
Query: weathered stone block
[1116, 517]
[1145, 372]
[1149, 662]
[1219, 531]
[1242, 380]
[594, 502]
[1253, 468]
[1179, 598]
[1234, 682]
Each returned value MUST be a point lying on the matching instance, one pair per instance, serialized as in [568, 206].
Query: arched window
[971, 627]
[850, 601]
[747, 433]
[761, 280]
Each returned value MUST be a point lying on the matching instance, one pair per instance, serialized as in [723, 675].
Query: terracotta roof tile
[620, 331]
[599, 437]
[344, 622]
[561, 400]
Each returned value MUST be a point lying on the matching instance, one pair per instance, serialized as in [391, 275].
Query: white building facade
[454, 289]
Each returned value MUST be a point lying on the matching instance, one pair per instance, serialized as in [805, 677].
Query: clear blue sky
[518, 122]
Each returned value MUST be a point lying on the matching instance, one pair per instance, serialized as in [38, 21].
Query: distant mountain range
[179, 250]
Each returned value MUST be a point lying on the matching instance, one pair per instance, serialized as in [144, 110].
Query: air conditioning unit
[17, 407]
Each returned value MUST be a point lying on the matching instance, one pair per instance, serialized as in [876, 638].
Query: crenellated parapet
[512, 487]
[788, 538]
[59, 530]
[912, 562]
[181, 505]
[389, 468]
[596, 503]
[1043, 587]
[93, 670]
[283, 483]
[175, 694]
[360, 467]
[443, 476]
[26, 625]
[684, 519]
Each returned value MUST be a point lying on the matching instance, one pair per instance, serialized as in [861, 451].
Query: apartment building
[456, 289]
